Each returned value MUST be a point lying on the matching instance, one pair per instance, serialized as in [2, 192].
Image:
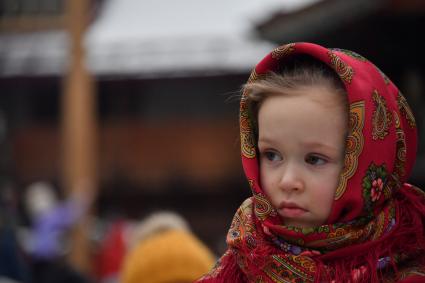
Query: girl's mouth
[290, 210]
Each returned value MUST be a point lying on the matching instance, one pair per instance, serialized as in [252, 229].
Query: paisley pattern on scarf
[350, 53]
[262, 207]
[247, 138]
[376, 221]
[344, 71]
[401, 149]
[381, 118]
[353, 146]
[294, 268]
[405, 110]
[283, 51]
[254, 76]
[245, 121]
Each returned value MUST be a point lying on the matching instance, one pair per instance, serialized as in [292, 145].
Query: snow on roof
[153, 38]
[38, 53]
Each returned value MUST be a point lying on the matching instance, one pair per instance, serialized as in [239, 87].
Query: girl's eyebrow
[265, 140]
[316, 144]
[320, 145]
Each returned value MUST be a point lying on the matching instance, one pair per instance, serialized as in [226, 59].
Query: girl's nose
[291, 179]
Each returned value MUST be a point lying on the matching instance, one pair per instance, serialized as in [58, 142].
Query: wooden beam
[79, 131]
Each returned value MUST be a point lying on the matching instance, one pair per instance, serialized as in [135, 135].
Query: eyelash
[312, 159]
[268, 155]
[309, 158]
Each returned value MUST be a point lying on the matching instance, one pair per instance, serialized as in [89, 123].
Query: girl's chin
[298, 223]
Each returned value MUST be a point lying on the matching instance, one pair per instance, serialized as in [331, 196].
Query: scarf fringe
[231, 271]
[407, 239]
[228, 271]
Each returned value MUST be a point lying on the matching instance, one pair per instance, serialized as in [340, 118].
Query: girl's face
[301, 144]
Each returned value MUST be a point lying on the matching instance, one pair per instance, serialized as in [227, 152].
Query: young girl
[327, 143]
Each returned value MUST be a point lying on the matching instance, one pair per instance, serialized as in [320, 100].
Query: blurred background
[126, 107]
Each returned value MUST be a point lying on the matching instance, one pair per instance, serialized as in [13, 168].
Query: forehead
[323, 95]
[300, 107]
[308, 116]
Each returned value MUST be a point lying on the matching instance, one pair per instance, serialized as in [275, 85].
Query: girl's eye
[315, 160]
[272, 156]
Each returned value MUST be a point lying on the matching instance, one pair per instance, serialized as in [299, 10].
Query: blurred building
[167, 74]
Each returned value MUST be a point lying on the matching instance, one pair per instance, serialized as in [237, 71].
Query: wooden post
[79, 131]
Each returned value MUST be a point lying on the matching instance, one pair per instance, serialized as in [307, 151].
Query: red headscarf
[375, 231]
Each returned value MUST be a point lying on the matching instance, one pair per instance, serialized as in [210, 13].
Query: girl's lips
[290, 210]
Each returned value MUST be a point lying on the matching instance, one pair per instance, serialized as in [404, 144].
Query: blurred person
[328, 142]
[14, 266]
[111, 247]
[162, 249]
[51, 220]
